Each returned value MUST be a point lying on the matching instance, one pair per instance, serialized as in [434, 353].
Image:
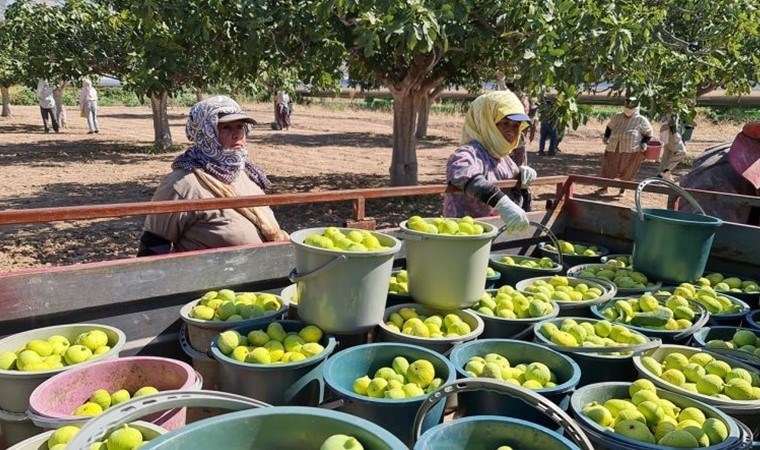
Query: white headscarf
[88, 93]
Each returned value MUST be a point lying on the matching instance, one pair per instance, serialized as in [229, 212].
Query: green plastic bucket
[16, 386]
[396, 416]
[479, 403]
[707, 334]
[39, 442]
[294, 383]
[342, 292]
[475, 432]
[502, 328]
[671, 245]
[447, 272]
[596, 363]
[745, 411]
[607, 440]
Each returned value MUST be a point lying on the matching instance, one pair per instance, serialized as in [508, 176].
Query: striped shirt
[627, 133]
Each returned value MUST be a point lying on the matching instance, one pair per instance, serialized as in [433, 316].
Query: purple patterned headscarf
[207, 153]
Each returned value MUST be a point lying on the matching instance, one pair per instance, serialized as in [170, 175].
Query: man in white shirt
[47, 105]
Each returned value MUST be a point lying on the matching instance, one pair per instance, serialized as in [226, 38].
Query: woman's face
[232, 135]
[509, 129]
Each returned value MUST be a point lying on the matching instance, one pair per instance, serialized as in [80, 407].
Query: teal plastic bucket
[671, 245]
[597, 364]
[396, 416]
[296, 384]
[490, 432]
[511, 274]
[579, 308]
[478, 403]
[447, 272]
[608, 440]
[502, 328]
[339, 291]
[705, 335]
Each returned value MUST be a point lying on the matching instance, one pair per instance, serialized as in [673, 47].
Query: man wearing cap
[492, 129]
[626, 138]
[216, 166]
[732, 168]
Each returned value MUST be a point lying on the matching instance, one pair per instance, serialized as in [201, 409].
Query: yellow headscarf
[480, 122]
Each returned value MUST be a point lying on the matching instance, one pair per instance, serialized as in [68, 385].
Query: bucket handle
[296, 277]
[546, 231]
[666, 183]
[136, 408]
[532, 399]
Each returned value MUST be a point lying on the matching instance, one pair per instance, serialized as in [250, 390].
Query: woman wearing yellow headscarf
[492, 130]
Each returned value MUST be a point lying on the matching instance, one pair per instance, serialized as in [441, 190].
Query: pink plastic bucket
[653, 151]
[51, 404]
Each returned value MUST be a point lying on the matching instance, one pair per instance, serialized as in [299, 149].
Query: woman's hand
[512, 215]
[527, 175]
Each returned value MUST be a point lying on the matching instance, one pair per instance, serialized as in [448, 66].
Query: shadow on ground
[82, 150]
[358, 140]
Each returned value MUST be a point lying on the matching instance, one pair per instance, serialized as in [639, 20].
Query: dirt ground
[328, 147]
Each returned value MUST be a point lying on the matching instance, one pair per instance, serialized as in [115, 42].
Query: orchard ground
[330, 146]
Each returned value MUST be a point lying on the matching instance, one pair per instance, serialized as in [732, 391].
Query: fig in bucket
[401, 379]
[353, 241]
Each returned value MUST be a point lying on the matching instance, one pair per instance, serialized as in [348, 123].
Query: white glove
[512, 215]
[643, 146]
[527, 175]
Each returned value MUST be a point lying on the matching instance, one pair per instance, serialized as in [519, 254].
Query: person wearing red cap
[731, 168]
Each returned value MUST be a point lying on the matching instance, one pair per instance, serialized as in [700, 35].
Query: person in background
[47, 105]
[731, 168]
[492, 129]
[520, 154]
[282, 106]
[626, 138]
[674, 150]
[88, 101]
[216, 166]
[548, 130]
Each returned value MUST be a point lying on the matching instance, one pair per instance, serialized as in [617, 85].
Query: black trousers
[45, 112]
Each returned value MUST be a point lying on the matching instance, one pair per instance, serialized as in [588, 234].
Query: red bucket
[653, 151]
[52, 403]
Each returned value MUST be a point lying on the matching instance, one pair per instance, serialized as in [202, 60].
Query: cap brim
[236, 117]
[519, 117]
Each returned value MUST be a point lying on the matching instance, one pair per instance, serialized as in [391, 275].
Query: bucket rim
[35, 398]
[734, 300]
[701, 335]
[489, 231]
[287, 294]
[473, 334]
[543, 339]
[725, 405]
[526, 321]
[648, 214]
[753, 317]
[285, 411]
[113, 353]
[329, 344]
[576, 408]
[494, 262]
[297, 238]
[327, 372]
[184, 313]
[575, 270]
[430, 433]
[521, 285]
[686, 332]
[567, 386]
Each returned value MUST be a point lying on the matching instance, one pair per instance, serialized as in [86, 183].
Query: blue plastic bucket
[607, 440]
[490, 432]
[478, 403]
[671, 245]
[753, 319]
[299, 383]
[396, 416]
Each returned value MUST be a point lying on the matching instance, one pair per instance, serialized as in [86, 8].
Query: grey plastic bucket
[288, 294]
[607, 440]
[16, 386]
[447, 272]
[395, 415]
[671, 245]
[16, 427]
[495, 327]
[293, 383]
[342, 292]
[205, 365]
[580, 308]
[569, 261]
[479, 403]
[511, 275]
[707, 334]
[39, 442]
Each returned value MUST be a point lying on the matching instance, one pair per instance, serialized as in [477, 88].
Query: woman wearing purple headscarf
[217, 165]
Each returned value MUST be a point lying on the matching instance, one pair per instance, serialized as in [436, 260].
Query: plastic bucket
[572, 260]
[653, 151]
[17, 386]
[205, 365]
[502, 328]
[745, 411]
[396, 416]
[734, 319]
[16, 427]
[576, 270]
[464, 434]
[753, 319]
[707, 334]
[442, 345]
[342, 292]
[597, 364]
[478, 403]
[447, 272]
[202, 332]
[39, 442]
[581, 307]
[671, 245]
[608, 440]
[298, 383]
[511, 274]
[751, 298]
[52, 403]
[288, 294]
[666, 336]
[397, 298]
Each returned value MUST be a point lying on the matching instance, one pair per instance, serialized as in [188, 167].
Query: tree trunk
[161, 132]
[63, 121]
[198, 94]
[423, 116]
[403, 169]
[6, 102]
